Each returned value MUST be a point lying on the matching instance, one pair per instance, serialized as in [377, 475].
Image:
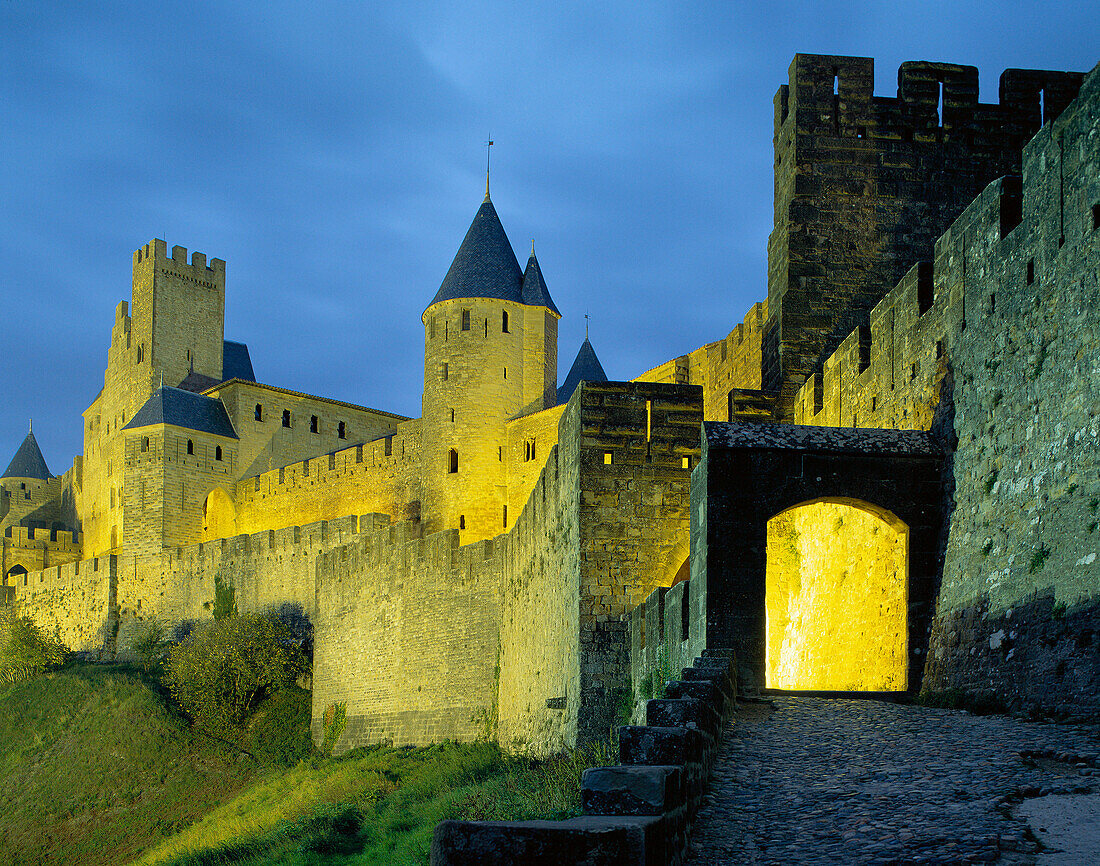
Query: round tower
[490, 354]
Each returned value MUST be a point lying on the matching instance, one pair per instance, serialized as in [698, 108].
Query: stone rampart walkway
[810, 780]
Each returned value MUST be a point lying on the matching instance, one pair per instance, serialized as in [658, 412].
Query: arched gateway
[755, 475]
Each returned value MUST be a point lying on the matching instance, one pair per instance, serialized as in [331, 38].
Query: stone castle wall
[726, 365]
[380, 476]
[865, 184]
[996, 340]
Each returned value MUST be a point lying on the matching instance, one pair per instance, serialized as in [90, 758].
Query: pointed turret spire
[586, 367]
[485, 265]
[534, 292]
[28, 461]
[488, 149]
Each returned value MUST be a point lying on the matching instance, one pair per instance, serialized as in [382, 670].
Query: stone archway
[15, 576]
[219, 516]
[837, 598]
[749, 473]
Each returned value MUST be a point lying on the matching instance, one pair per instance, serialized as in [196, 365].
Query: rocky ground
[813, 780]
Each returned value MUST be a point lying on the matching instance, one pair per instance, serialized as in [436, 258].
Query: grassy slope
[95, 767]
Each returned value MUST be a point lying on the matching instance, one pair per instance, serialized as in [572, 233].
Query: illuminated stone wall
[837, 598]
[719, 367]
[380, 476]
[992, 346]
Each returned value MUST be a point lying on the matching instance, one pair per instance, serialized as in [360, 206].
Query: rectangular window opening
[445, 371]
[607, 459]
[342, 430]
[939, 349]
[864, 347]
[314, 424]
[819, 391]
[1030, 271]
[505, 517]
[685, 612]
[1096, 216]
[685, 463]
[286, 417]
[465, 320]
[462, 521]
[925, 288]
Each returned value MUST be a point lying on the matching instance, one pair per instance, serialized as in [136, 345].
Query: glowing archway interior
[219, 516]
[837, 598]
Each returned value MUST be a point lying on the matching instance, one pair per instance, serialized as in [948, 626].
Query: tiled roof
[586, 367]
[28, 461]
[485, 265]
[184, 409]
[534, 292]
[236, 362]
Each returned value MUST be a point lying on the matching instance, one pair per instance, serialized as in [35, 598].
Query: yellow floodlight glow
[837, 598]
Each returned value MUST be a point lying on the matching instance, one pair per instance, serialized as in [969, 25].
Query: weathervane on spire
[488, 145]
[586, 326]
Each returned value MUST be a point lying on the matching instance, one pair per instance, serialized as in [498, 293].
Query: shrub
[225, 668]
[150, 644]
[25, 651]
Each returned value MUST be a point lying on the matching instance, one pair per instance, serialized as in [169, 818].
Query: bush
[225, 668]
[25, 651]
[150, 644]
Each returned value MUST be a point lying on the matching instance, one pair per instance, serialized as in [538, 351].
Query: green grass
[98, 767]
[95, 766]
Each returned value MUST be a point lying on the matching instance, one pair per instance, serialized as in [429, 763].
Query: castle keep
[885, 477]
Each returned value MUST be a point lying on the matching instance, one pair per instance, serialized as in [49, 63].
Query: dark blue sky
[332, 154]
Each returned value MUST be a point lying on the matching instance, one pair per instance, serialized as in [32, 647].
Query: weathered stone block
[632, 790]
[593, 841]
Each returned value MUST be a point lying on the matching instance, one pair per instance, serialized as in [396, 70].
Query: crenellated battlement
[835, 94]
[155, 254]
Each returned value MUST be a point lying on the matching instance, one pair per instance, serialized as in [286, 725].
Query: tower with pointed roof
[490, 355]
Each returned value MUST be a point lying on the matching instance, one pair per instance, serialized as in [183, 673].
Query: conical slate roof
[585, 368]
[28, 462]
[184, 409]
[534, 292]
[485, 265]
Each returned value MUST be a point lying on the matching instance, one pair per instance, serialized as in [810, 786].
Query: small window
[912, 371]
[462, 521]
[452, 466]
[465, 320]
[259, 412]
[445, 371]
[286, 417]
[992, 304]
[1096, 217]
[529, 450]
[452, 416]
[144, 443]
[505, 372]
[314, 424]
[500, 452]
[218, 452]
[341, 430]
[607, 460]
[685, 463]
[431, 328]
[504, 321]
[190, 447]
[141, 353]
[939, 349]
[505, 516]
[1030, 271]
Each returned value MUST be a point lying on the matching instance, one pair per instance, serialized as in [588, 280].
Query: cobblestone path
[810, 780]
